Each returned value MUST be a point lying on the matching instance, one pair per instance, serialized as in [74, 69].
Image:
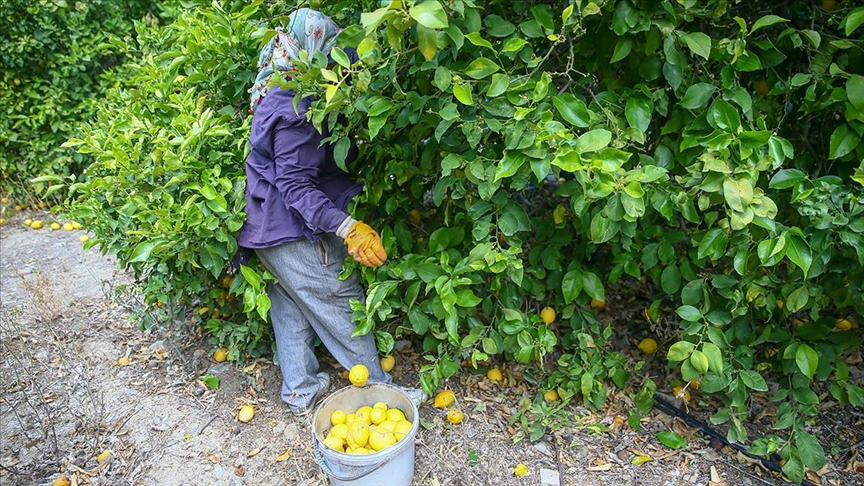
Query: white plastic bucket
[393, 466]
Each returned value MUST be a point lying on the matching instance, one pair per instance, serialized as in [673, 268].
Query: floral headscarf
[308, 30]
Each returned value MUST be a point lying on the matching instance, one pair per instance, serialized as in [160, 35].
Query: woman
[296, 201]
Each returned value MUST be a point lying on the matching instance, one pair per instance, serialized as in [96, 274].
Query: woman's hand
[364, 245]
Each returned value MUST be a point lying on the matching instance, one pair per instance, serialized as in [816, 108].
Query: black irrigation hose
[664, 406]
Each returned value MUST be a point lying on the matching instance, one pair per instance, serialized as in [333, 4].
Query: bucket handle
[320, 460]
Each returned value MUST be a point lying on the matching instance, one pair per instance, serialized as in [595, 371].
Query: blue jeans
[310, 300]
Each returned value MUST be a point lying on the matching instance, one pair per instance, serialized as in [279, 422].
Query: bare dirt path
[64, 400]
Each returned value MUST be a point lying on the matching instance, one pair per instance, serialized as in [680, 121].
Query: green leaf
[855, 91]
[443, 78]
[699, 361]
[210, 381]
[798, 252]
[738, 193]
[622, 49]
[854, 20]
[807, 360]
[748, 62]
[753, 380]
[786, 178]
[671, 439]
[478, 40]
[797, 299]
[724, 116]
[697, 96]
[766, 21]
[699, 43]
[809, 450]
[513, 45]
[638, 111]
[142, 250]
[593, 141]
[680, 351]
[689, 313]
[713, 243]
[793, 469]
[462, 92]
[427, 42]
[429, 14]
[571, 285]
[593, 286]
[481, 68]
[498, 86]
[843, 141]
[715, 357]
[572, 110]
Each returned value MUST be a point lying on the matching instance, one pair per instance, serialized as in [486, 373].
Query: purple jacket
[294, 189]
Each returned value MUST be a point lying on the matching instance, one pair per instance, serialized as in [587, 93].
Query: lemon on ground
[455, 416]
[647, 346]
[379, 439]
[844, 324]
[551, 395]
[55, 226]
[76, 225]
[340, 431]
[28, 222]
[2, 221]
[401, 429]
[83, 238]
[598, 304]
[67, 227]
[338, 417]
[444, 398]
[359, 375]
[220, 355]
[358, 433]
[377, 415]
[61, 481]
[548, 315]
[494, 374]
[677, 392]
[520, 470]
[246, 413]
[396, 415]
[364, 414]
[203, 310]
[780, 304]
[334, 443]
[388, 362]
[36, 224]
[381, 405]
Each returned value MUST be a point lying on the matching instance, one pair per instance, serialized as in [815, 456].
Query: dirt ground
[64, 400]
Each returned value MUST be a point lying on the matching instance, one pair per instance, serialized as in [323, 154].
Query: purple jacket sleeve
[298, 165]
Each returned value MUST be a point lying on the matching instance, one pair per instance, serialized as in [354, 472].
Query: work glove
[364, 245]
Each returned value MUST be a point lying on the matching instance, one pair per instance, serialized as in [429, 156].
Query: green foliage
[53, 56]
[524, 154]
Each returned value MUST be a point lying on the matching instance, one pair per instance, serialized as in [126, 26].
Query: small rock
[219, 471]
[218, 369]
[157, 347]
[402, 345]
[543, 448]
[292, 433]
[278, 428]
[549, 477]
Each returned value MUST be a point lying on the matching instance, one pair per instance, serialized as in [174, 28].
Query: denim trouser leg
[310, 300]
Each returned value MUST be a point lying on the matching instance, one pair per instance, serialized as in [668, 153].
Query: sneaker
[323, 386]
[416, 395]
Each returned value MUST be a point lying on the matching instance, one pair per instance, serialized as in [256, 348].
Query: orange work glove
[364, 245]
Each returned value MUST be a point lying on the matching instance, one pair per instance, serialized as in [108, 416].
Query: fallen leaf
[604, 467]
[284, 456]
[214, 458]
[239, 470]
[255, 452]
[640, 460]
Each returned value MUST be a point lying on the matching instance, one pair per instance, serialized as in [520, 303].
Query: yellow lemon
[67, 227]
[455, 416]
[388, 362]
[780, 304]
[76, 225]
[334, 443]
[676, 391]
[387, 426]
[55, 226]
[598, 304]
[844, 324]
[444, 398]
[2, 221]
[340, 431]
[246, 413]
[338, 417]
[377, 415]
[36, 224]
[396, 415]
[361, 451]
[61, 481]
[28, 222]
[359, 375]
[647, 346]
[364, 414]
[380, 440]
[494, 374]
[520, 470]
[83, 238]
[381, 405]
[551, 395]
[548, 315]
[358, 432]
[351, 417]
[401, 429]
[220, 355]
